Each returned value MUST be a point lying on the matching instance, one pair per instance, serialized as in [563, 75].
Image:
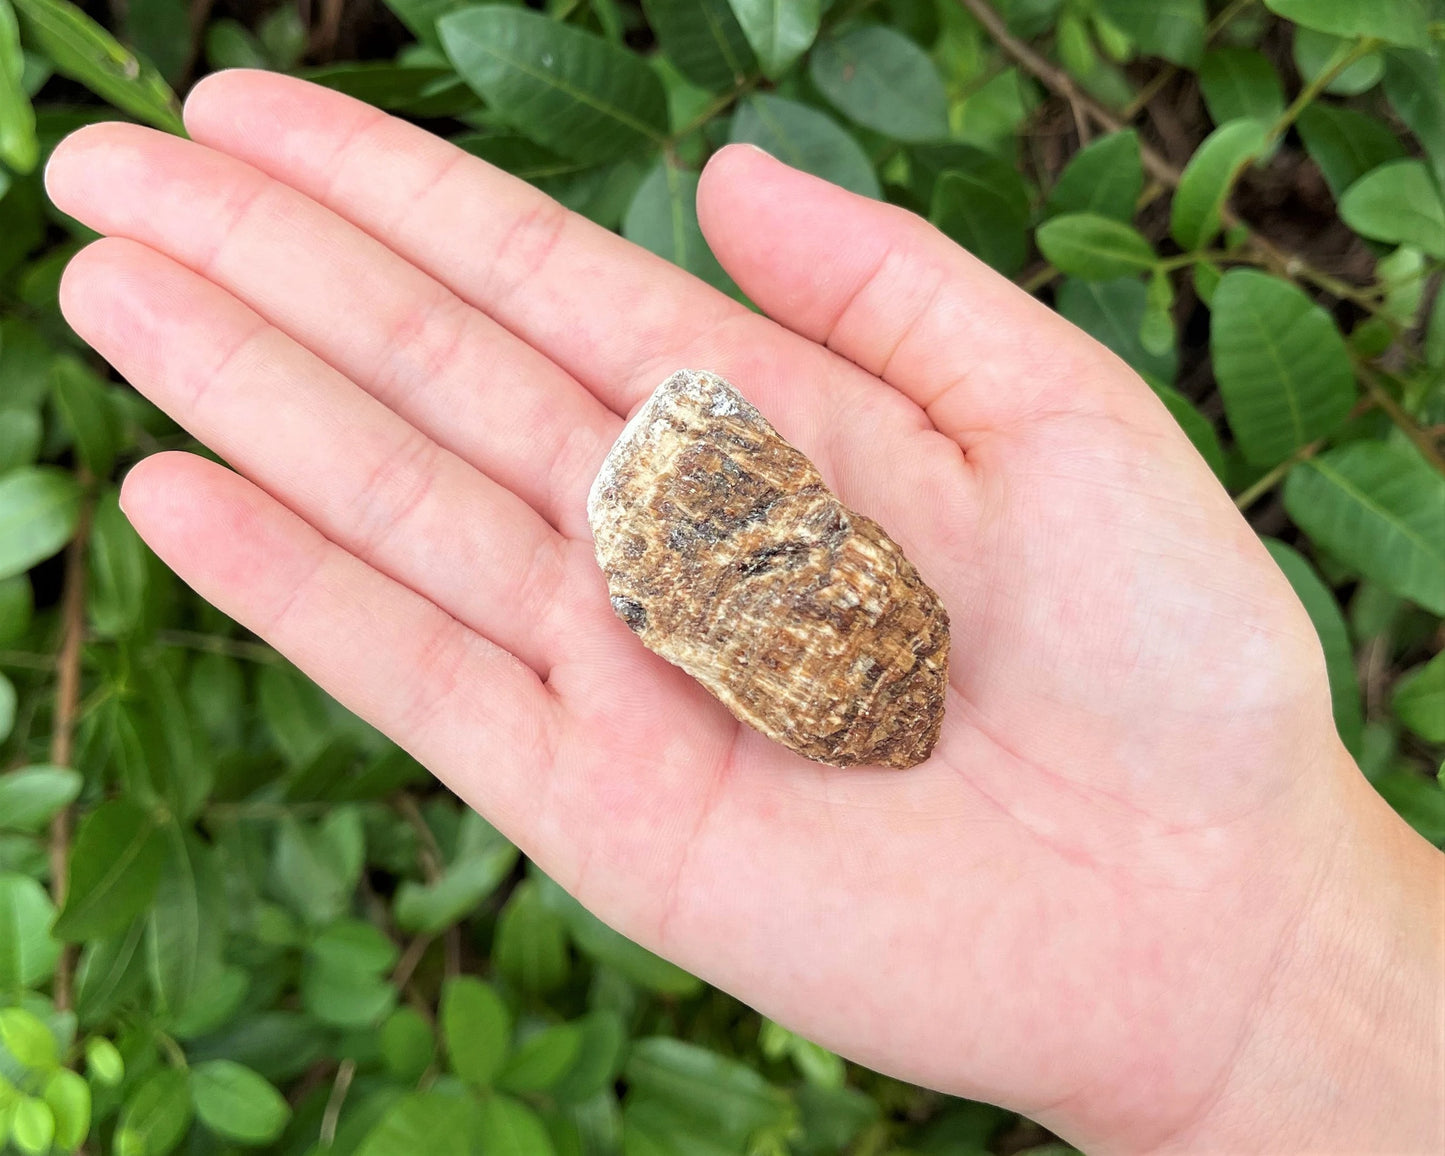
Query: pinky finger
[443, 692]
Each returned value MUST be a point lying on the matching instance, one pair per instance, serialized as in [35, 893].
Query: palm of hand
[1131, 677]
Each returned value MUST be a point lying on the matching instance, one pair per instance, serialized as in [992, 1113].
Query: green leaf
[1315, 53]
[1173, 29]
[20, 434]
[115, 866]
[32, 1126]
[806, 139]
[599, 1059]
[561, 86]
[1379, 508]
[39, 508]
[27, 953]
[530, 947]
[779, 31]
[1112, 312]
[426, 1123]
[343, 981]
[982, 204]
[663, 219]
[476, 1028]
[17, 608]
[420, 16]
[613, 949]
[31, 796]
[157, 1115]
[28, 1039]
[1282, 366]
[67, 1095]
[84, 404]
[1105, 177]
[104, 1062]
[1205, 184]
[110, 972]
[19, 148]
[1329, 622]
[1240, 83]
[1394, 21]
[429, 908]
[185, 932]
[1094, 247]
[1398, 203]
[882, 80]
[507, 1127]
[1345, 143]
[84, 51]
[1419, 700]
[117, 570]
[1418, 800]
[8, 701]
[1415, 86]
[703, 39]
[542, 1059]
[317, 866]
[408, 1045]
[237, 1104]
[727, 1098]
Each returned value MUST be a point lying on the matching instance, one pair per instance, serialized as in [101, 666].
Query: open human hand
[1131, 883]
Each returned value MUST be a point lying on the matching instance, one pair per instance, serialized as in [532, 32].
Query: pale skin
[1140, 892]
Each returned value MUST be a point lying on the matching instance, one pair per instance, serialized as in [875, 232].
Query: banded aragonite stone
[728, 556]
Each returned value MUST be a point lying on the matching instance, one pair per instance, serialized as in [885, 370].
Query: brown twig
[1421, 438]
[62, 734]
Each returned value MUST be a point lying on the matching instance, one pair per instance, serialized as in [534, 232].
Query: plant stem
[1311, 91]
[218, 644]
[62, 734]
[1407, 425]
[1165, 75]
[1276, 475]
[332, 1116]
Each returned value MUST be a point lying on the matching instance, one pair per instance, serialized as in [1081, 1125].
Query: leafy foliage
[269, 930]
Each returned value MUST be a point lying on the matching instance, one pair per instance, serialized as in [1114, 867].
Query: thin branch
[1276, 475]
[1168, 73]
[336, 1101]
[1421, 438]
[1322, 80]
[219, 644]
[62, 734]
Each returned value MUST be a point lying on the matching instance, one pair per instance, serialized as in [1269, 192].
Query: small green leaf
[1329, 622]
[1315, 53]
[703, 39]
[1240, 83]
[663, 219]
[408, 1044]
[115, 866]
[476, 1028]
[1094, 247]
[882, 80]
[19, 148]
[237, 1104]
[779, 31]
[1419, 700]
[118, 570]
[1208, 178]
[1282, 366]
[1105, 177]
[157, 1115]
[68, 1097]
[342, 983]
[542, 1059]
[982, 204]
[1415, 86]
[1112, 312]
[1173, 29]
[8, 702]
[507, 1127]
[1197, 428]
[599, 1059]
[1380, 508]
[104, 1062]
[27, 953]
[17, 609]
[806, 139]
[727, 1098]
[317, 866]
[531, 942]
[185, 934]
[425, 1124]
[1399, 203]
[28, 1039]
[1345, 143]
[20, 434]
[31, 796]
[32, 1126]
[39, 508]
[84, 51]
[563, 87]
[1394, 21]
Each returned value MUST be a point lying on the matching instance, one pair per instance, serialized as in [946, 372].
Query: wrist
[1346, 1045]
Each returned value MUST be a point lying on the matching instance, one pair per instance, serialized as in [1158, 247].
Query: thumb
[885, 289]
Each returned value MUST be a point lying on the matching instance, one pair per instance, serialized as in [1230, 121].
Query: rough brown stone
[728, 556]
